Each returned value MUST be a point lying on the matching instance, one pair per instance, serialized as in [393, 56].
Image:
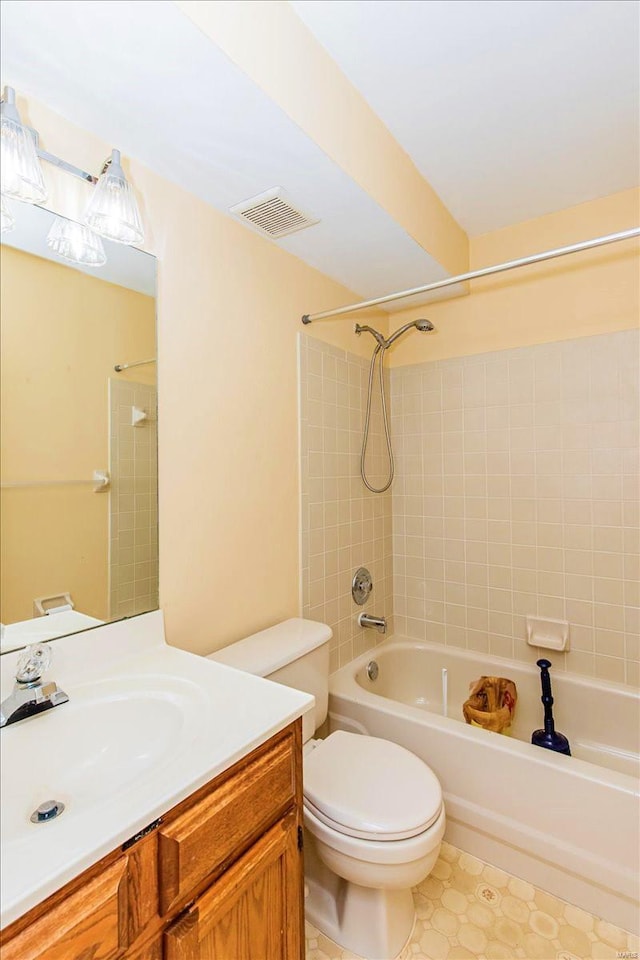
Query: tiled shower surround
[133, 551]
[516, 493]
[343, 525]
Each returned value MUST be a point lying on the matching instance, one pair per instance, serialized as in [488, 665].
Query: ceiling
[157, 88]
[510, 110]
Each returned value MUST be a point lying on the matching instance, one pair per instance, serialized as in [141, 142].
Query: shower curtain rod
[474, 274]
[119, 367]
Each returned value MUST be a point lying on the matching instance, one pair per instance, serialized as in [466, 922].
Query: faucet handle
[33, 662]
[361, 586]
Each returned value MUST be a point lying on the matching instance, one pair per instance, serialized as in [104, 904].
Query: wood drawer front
[253, 910]
[92, 922]
[218, 828]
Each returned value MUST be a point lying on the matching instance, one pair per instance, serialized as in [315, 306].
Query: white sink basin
[109, 736]
[145, 726]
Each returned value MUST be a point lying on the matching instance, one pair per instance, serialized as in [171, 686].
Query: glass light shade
[75, 242]
[7, 220]
[20, 171]
[113, 211]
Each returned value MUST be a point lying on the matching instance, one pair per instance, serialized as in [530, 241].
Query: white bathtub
[569, 825]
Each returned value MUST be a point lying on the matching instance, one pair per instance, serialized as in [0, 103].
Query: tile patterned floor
[469, 910]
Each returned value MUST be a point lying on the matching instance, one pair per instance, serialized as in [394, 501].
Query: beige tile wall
[133, 464]
[517, 493]
[343, 526]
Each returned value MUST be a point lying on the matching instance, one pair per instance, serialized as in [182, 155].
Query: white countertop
[231, 713]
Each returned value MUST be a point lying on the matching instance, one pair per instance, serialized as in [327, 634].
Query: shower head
[422, 325]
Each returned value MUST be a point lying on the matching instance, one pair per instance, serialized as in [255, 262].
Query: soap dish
[548, 634]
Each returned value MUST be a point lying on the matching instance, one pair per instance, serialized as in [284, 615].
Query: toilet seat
[370, 789]
[378, 851]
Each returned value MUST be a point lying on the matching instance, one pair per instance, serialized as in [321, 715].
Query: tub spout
[378, 623]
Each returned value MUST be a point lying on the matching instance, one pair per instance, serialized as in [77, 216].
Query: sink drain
[48, 810]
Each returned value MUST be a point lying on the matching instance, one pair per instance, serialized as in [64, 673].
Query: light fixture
[21, 173]
[7, 220]
[112, 211]
[76, 242]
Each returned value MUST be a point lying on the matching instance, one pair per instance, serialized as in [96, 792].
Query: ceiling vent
[272, 214]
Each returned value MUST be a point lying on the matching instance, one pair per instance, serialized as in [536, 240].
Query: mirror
[78, 441]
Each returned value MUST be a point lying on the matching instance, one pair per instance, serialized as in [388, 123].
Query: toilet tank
[294, 653]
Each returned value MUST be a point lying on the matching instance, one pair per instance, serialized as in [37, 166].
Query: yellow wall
[579, 295]
[229, 308]
[62, 333]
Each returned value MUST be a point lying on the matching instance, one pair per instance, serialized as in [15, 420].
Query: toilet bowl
[373, 812]
[374, 815]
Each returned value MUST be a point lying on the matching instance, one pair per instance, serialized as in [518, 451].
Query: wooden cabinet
[252, 911]
[219, 877]
[215, 829]
[92, 922]
[100, 914]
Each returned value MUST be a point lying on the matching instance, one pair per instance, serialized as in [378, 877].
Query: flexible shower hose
[380, 349]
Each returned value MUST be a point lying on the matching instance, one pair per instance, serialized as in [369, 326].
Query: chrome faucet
[378, 623]
[31, 694]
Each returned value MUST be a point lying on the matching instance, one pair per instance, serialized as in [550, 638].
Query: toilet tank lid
[267, 651]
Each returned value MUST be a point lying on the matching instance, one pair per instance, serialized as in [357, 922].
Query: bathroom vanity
[215, 872]
[219, 875]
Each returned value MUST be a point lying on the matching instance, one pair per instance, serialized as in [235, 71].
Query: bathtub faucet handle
[378, 623]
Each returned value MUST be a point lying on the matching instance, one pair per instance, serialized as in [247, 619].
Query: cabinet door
[90, 923]
[213, 831]
[254, 911]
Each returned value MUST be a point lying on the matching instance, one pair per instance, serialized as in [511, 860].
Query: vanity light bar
[62, 164]
[112, 211]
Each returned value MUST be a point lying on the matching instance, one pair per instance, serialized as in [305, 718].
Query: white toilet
[374, 810]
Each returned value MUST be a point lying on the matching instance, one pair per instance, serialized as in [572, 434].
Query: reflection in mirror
[78, 467]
